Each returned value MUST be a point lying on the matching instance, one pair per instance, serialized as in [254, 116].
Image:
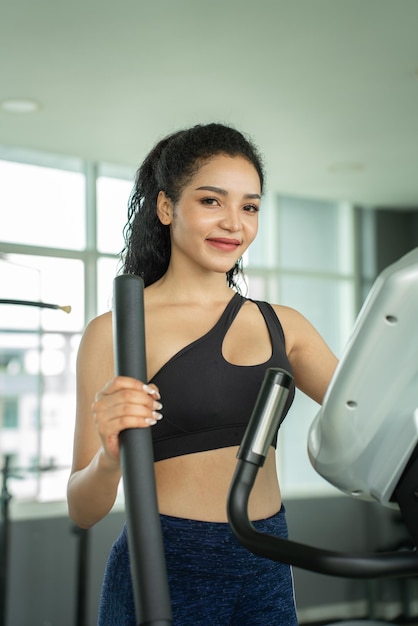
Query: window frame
[90, 255]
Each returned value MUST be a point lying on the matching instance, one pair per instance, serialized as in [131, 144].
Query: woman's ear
[164, 208]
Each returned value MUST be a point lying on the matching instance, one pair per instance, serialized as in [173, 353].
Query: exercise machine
[364, 439]
[363, 413]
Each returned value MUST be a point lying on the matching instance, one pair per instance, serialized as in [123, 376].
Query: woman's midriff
[195, 486]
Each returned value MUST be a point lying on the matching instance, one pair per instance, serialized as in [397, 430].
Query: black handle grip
[250, 458]
[148, 567]
[265, 419]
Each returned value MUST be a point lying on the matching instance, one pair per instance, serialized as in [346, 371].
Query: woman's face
[216, 216]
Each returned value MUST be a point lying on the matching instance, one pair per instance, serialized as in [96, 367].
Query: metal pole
[149, 575]
[4, 540]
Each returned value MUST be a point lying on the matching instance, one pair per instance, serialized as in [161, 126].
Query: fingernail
[157, 416]
[151, 391]
[150, 421]
[158, 406]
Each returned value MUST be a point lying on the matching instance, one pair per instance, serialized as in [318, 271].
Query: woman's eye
[210, 201]
[251, 208]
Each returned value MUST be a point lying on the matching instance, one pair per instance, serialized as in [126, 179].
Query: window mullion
[90, 268]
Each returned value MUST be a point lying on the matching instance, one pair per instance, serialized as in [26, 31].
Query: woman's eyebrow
[223, 192]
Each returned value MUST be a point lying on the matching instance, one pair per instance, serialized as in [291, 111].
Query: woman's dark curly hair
[169, 167]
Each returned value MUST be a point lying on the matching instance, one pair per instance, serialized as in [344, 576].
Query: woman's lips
[225, 244]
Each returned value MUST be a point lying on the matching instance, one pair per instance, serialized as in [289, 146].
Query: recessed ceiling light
[20, 105]
[337, 168]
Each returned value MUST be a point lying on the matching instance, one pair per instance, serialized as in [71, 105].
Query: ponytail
[147, 241]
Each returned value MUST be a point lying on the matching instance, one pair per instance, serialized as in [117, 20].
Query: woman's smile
[225, 244]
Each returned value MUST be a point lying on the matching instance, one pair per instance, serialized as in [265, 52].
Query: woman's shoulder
[97, 340]
[100, 323]
[98, 329]
[288, 314]
[296, 327]
[285, 314]
[312, 360]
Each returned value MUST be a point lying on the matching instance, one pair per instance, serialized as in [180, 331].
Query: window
[44, 205]
[112, 202]
[303, 258]
[60, 245]
[8, 408]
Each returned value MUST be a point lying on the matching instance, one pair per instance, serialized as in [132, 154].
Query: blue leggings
[213, 580]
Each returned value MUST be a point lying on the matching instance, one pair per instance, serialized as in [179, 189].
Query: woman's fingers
[125, 403]
[122, 382]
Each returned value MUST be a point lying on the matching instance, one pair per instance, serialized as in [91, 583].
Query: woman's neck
[207, 287]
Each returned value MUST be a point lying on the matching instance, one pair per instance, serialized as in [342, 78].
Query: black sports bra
[207, 401]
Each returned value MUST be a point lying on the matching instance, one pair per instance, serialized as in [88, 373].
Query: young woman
[193, 213]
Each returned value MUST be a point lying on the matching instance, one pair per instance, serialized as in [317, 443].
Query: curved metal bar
[347, 565]
[332, 563]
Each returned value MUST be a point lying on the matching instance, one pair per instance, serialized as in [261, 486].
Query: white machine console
[364, 435]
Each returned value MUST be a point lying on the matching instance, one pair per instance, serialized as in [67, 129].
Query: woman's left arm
[312, 360]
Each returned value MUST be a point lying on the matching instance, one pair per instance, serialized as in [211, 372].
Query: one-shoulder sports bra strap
[230, 312]
[214, 334]
[270, 317]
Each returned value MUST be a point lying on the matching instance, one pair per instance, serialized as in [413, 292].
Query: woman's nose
[231, 220]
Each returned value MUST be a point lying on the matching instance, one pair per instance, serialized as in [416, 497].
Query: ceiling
[328, 89]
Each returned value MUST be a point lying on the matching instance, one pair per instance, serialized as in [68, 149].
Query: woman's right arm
[105, 406]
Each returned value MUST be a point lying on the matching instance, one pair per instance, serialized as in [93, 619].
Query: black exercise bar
[148, 567]
[251, 456]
